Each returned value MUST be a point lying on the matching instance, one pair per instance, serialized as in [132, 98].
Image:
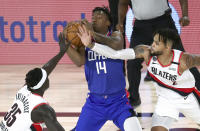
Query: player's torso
[18, 117]
[104, 75]
[168, 76]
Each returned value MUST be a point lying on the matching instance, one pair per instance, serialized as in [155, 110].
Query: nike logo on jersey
[174, 83]
[185, 97]
[154, 63]
[163, 74]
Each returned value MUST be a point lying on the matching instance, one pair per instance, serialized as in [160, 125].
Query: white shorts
[163, 121]
[189, 106]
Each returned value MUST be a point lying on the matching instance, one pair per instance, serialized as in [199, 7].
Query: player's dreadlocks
[166, 34]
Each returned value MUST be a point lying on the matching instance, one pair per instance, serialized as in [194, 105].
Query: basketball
[70, 33]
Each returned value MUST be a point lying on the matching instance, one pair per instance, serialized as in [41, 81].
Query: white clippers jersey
[168, 76]
[18, 118]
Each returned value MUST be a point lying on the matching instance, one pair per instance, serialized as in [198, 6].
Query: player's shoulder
[184, 58]
[42, 112]
[43, 108]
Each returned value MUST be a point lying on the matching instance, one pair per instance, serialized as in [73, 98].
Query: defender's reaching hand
[63, 43]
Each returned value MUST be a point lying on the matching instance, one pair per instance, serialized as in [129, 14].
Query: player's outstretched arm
[46, 114]
[51, 64]
[188, 61]
[124, 54]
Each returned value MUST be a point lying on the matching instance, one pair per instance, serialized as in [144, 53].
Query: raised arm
[141, 51]
[51, 64]
[188, 61]
[45, 113]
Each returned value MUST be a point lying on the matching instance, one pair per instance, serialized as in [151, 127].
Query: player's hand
[88, 26]
[63, 43]
[120, 28]
[184, 21]
[85, 36]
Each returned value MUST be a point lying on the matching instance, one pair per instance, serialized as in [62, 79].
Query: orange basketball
[71, 31]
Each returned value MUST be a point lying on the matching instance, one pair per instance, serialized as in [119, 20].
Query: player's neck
[40, 93]
[166, 57]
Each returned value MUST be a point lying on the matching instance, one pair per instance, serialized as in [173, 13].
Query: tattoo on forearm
[103, 39]
[139, 50]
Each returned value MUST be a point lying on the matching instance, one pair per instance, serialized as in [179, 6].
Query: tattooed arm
[142, 51]
[115, 41]
[188, 61]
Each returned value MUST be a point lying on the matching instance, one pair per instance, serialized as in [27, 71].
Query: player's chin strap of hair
[44, 77]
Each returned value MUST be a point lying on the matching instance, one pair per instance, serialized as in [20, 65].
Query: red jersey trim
[149, 61]
[197, 92]
[169, 63]
[37, 126]
[40, 105]
[185, 90]
[179, 64]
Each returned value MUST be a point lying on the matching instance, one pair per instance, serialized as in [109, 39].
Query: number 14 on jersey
[101, 66]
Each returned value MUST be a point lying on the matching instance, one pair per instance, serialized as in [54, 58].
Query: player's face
[99, 20]
[157, 47]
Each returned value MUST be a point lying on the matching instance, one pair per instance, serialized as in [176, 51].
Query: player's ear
[169, 44]
[108, 23]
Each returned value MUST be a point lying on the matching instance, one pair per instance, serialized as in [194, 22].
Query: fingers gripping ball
[71, 31]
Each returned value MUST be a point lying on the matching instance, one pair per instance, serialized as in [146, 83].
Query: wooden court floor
[67, 93]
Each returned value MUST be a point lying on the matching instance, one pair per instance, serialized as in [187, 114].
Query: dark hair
[167, 34]
[105, 10]
[33, 77]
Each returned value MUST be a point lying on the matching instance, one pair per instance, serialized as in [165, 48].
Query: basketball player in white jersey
[170, 70]
[30, 111]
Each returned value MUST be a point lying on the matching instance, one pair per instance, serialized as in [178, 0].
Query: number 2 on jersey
[101, 66]
[10, 117]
